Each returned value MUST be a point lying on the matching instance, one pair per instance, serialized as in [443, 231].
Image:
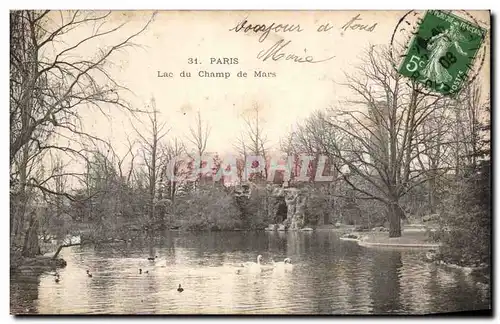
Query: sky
[296, 91]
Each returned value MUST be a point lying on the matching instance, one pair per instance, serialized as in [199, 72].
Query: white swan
[255, 266]
[286, 264]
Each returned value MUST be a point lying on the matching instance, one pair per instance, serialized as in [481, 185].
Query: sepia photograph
[250, 162]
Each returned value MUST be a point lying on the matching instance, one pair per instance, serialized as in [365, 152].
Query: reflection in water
[23, 294]
[386, 288]
[329, 276]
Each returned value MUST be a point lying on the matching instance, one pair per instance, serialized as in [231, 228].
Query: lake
[329, 276]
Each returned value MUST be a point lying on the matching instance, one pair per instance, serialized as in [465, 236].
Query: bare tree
[253, 139]
[199, 135]
[450, 139]
[49, 83]
[171, 173]
[380, 133]
[435, 146]
[152, 155]
[467, 132]
[315, 137]
[124, 173]
[241, 148]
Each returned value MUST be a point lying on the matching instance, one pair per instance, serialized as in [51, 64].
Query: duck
[89, 274]
[153, 259]
[180, 289]
[57, 278]
[431, 255]
[239, 268]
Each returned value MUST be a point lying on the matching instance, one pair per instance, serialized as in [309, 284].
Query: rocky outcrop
[296, 208]
[287, 208]
[277, 207]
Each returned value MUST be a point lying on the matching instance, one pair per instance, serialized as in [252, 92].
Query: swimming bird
[287, 261]
[89, 274]
[180, 289]
[57, 278]
[431, 255]
[153, 259]
[286, 265]
[239, 268]
[255, 267]
[250, 263]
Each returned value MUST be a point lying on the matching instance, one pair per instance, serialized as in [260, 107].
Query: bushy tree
[467, 209]
[208, 208]
[467, 216]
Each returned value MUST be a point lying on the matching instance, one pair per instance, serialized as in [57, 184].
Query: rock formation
[285, 208]
[295, 201]
[277, 208]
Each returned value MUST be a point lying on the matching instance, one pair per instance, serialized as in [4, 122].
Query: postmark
[444, 51]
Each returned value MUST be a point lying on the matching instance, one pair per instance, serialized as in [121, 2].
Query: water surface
[329, 276]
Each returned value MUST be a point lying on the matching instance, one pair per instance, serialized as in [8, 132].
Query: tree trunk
[433, 186]
[31, 246]
[63, 246]
[162, 208]
[332, 188]
[151, 242]
[394, 217]
[432, 195]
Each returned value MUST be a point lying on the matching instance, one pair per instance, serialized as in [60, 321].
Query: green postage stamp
[442, 52]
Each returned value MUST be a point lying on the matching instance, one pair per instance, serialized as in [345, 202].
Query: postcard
[250, 162]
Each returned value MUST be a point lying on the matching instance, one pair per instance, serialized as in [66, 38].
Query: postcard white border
[191, 5]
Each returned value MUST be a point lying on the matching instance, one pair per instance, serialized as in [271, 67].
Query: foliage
[318, 204]
[467, 214]
[52, 85]
[209, 208]
[256, 214]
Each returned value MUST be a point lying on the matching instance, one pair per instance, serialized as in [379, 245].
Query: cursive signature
[276, 53]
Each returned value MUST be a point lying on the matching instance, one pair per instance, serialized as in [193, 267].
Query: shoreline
[415, 241]
[399, 245]
[410, 239]
[37, 265]
[465, 269]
